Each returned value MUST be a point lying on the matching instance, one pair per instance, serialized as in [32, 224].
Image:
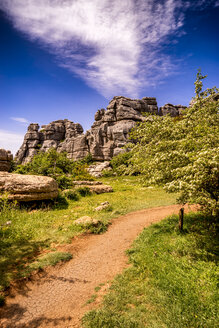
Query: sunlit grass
[32, 231]
[172, 281]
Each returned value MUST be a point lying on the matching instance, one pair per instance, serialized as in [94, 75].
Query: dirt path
[58, 298]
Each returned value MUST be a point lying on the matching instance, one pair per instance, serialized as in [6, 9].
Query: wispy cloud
[115, 46]
[10, 141]
[20, 120]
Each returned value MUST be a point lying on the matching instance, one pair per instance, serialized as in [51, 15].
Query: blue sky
[68, 58]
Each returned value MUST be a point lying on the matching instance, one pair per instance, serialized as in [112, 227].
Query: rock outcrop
[51, 135]
[5, 160]
[96, 169]
[172, 110]
[106, 138]
[28, 187]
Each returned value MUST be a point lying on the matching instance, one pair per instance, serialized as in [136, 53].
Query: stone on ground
[102, 206]
[28, 187]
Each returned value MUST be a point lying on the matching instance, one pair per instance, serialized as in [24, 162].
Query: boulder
[5, 160]
[100, 189]
[87, 183]
[28, 187]
[96, 169]
[86, 220]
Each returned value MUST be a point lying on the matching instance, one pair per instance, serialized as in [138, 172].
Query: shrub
[72, 195]
[64, 182]
[57, 166]
[121, 164]
[84, 191]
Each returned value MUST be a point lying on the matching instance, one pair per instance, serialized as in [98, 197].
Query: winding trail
[57, 299]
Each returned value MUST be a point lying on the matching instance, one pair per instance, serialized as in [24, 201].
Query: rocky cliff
[108, 134]
[5, 160]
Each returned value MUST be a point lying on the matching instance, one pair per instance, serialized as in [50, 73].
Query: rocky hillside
[108, 134]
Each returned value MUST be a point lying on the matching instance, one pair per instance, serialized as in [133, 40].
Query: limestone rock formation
[28, 187]
[5, 160]
[173, 110]
[106, 138]
[51, 135]
[96, 169]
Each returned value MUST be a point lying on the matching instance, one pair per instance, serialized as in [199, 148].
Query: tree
[181, 153]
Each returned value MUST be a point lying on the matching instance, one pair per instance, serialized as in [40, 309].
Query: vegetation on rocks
[57, 166]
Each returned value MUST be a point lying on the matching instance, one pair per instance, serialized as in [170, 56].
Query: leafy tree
[181, 153]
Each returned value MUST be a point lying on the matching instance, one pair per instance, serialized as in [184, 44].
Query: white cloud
[10, 140]
[20, 120]
[115, 46]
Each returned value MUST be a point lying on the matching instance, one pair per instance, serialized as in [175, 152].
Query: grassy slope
[172, 282]
[31, 232]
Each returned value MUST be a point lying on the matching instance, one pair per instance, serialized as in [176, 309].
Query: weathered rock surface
[172, 110]
[88, 183]
[86, 220]
[5, 160]
[28, 187]
[106, 138]
[100, 189]
[102, 206]
[96, 169]
[52, 135]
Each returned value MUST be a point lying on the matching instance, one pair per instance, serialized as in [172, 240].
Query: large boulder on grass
[26, 188]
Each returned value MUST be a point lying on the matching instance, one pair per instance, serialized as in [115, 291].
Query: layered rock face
[173, 110]
[51, 135]
[28, 187]
[106, 138]
[5, 160]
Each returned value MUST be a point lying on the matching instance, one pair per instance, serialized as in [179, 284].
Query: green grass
[46, 260]
[172, 282]
[31, 232]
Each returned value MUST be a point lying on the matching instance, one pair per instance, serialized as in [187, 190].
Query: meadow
[29, 242]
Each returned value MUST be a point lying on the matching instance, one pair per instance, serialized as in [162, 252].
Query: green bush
[121, 164]
[72, 195]
[57, 166]
[84, 191]
[64, 182]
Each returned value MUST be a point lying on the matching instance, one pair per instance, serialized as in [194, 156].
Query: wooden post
[181, 215]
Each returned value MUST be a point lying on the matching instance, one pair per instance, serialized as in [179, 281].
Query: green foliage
[47, 260]
[171, 282]
[84, 191]
[98, 228]
[64, 181]
[72, 195]
[120, 163]
[182, 154]
[34, 230]
[60, 202]
[57, 166]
